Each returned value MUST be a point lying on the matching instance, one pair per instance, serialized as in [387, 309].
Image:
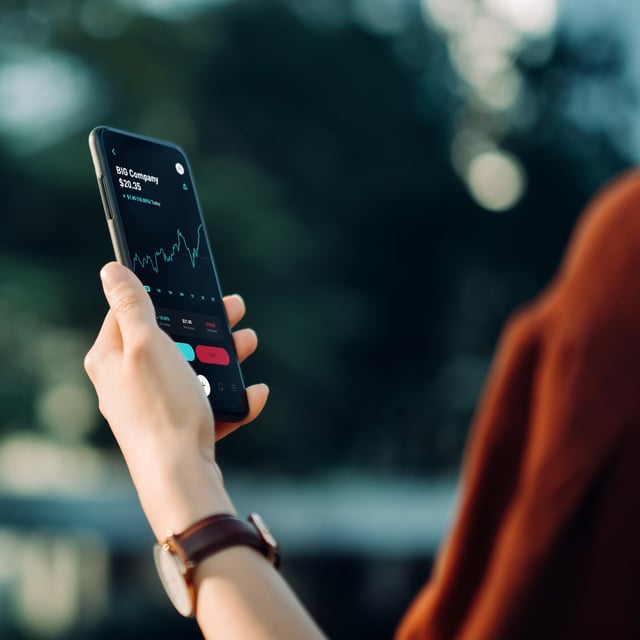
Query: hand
[163, 423]
[156, 407]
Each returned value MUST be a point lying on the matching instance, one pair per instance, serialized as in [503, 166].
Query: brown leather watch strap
[221, 531]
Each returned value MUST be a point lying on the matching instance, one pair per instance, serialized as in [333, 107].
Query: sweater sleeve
[547, 527]
[490, 474]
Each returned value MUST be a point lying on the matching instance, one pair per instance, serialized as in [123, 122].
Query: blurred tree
[322, 152]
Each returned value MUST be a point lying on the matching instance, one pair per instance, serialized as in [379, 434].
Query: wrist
[175, 497]
[186, 558]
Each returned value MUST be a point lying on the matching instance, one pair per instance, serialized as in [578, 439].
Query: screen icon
[212, 355]
[187, 351]
[179, 168]
[205, 385]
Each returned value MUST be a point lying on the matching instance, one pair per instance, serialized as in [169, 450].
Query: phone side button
[105, 199]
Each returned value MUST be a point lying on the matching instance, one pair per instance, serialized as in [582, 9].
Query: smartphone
[158, 231]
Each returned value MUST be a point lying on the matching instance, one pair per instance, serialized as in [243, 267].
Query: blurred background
[383, 180]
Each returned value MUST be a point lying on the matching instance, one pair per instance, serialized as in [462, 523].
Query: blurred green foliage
[322, 154]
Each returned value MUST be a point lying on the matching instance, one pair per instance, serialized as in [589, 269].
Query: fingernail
[112, 274]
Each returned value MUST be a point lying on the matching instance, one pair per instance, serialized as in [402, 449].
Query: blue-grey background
[383, 180]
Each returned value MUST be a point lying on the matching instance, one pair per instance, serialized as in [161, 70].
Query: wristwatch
[179, 555]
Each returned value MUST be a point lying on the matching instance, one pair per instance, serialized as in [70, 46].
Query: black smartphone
[158, 231]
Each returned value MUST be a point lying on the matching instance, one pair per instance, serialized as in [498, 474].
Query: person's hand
[156, 407]
[161, 418]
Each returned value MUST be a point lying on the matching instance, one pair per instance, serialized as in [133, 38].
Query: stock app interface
[168, 250]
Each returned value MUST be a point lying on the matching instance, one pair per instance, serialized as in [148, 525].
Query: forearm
[174, 495]
[240, 595]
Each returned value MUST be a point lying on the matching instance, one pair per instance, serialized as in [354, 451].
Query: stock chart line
[168, 256]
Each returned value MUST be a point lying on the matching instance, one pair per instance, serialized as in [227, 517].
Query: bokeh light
[44, 96]
[496, 180]
[484, 40]
[531, 17]
[67, 409]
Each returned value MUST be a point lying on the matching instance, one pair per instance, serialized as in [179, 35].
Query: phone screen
[158, 231]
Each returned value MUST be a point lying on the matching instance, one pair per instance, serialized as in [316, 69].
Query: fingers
[130, 305]
[246, 342]
[128, 300]
[235, 308]
[257, 395]
[131, 312]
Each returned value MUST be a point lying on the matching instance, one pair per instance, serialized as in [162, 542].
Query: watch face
[171, 572]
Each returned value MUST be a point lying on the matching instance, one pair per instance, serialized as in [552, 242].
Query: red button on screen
[212, 355]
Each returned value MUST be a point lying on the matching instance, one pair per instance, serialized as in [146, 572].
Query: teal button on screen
[187, 351]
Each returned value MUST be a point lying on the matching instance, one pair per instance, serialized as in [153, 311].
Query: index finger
[235, 308]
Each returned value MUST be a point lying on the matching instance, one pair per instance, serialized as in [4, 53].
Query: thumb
[127, 298]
